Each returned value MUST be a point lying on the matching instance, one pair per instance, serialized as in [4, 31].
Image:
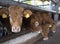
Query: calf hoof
[45, 38]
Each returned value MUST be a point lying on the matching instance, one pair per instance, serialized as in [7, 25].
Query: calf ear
[21, 9]
[28, 12]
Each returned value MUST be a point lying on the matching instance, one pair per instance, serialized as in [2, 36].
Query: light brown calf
[16, 14]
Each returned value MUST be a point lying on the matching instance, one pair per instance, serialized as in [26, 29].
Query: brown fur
[48, 19]
[34, 18]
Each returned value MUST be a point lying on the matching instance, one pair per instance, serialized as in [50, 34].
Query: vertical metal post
[56, 15]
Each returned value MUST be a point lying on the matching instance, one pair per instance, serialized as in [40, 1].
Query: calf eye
[36, 23]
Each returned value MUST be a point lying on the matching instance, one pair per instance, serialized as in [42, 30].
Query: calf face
[16, 13]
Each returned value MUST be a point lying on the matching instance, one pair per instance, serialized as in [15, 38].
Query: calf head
[16, 13]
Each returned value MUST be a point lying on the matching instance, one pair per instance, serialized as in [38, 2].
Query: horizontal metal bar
[11, 2]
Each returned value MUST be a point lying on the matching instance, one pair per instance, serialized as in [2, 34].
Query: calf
[44, 22]
[16, 13]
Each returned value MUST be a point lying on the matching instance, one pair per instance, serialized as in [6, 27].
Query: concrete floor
[24, 39]
[54, 39]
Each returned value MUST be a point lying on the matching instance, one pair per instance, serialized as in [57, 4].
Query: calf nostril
[18, 29]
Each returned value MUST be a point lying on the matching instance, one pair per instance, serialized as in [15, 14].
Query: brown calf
[16, 14]
[42, 21]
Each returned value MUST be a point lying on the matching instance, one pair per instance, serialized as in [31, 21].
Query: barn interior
[49, 6]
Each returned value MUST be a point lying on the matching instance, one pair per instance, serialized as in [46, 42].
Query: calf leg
[45, 32]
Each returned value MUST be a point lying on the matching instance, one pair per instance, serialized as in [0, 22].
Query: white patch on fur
[39, 31]
[45, 38]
